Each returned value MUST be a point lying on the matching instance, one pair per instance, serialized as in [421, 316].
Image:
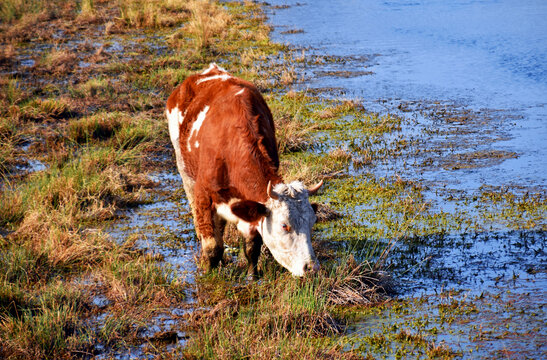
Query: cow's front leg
[209, 229]
[253, 246]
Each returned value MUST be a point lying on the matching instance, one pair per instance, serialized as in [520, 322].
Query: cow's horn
[270, 193]
[314, 188]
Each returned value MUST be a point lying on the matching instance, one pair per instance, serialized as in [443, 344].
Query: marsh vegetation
[93, 222]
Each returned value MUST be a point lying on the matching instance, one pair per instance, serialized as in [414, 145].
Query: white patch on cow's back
[211, 67]
[240, 92]
[197, 125]
[174, 118]
[222, 77]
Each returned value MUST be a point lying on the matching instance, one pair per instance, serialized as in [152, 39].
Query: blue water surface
[483, 54]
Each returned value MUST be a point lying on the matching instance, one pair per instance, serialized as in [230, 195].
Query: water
[488, 57]
[484, 54]
[163, 227]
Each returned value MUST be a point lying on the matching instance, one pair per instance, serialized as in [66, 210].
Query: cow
[226, 153]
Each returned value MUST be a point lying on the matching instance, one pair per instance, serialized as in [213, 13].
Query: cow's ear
[249, 211]
[315, 207]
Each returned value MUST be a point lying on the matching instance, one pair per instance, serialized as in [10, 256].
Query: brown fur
[237, 154]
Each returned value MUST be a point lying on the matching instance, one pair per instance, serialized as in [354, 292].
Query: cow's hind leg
[253, 246]
[212, 247]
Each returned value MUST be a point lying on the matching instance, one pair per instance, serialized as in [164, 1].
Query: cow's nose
[311, 267]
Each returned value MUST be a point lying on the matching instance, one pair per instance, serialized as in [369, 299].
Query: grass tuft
[11, 10]
[152, 13]
[208, 22]
[42, 109]
[58, 61]
[100, 126]
[357, 284]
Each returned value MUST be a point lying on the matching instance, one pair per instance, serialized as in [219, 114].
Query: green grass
[95, 87]
[152, 14]
[280, 316]
[41, 109]
[37, 318]
[11, 10]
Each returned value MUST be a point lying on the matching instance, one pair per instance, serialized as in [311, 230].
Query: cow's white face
[286, 231]
[285, 226]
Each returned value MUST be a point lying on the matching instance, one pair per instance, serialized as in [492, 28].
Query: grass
[11, 10]
[207, 22]
[152, 14]
[43, 109]
[48, 248]
[280, 316]
[58, 61]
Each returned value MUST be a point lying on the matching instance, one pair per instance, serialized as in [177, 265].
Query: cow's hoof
[252, 273]
[208, 263]
[252, 277]
[211, 254]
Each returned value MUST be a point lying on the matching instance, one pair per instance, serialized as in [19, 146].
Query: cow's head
[285, 223]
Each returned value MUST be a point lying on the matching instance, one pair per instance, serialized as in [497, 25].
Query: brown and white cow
[224, 139]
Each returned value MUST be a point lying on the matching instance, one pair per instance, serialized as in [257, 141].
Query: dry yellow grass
[250, 56]
[207, 22]
[59, 61]
[288, 76]
[7, 53]
[291, 135]
[152, 13]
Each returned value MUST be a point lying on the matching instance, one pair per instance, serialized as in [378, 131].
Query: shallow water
[484, 54]
[163, 227]
[485, 57]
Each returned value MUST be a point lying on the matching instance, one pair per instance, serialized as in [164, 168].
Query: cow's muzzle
[311, 267]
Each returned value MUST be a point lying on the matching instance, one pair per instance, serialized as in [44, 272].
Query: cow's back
[226, 135]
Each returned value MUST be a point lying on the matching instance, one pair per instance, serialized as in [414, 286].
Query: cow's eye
[286, 227]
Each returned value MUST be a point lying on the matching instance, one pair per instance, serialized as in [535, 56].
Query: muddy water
[484, 58]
